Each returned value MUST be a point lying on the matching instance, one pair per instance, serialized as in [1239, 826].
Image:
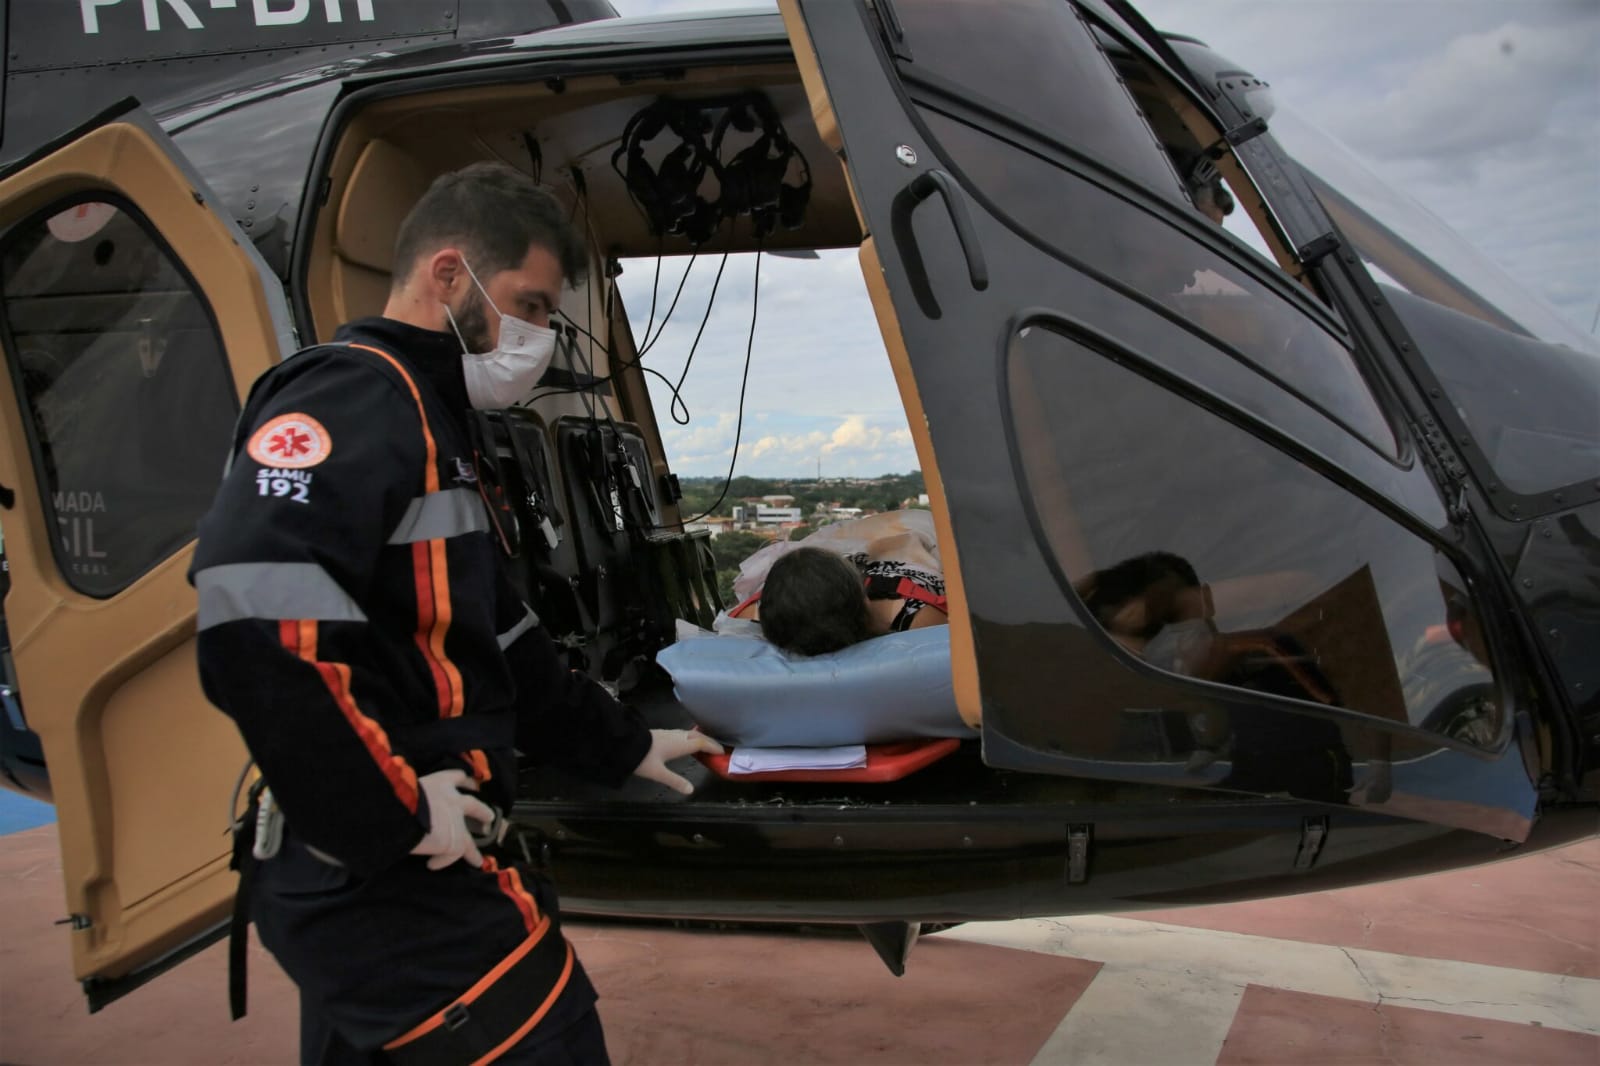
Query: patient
[815, 601]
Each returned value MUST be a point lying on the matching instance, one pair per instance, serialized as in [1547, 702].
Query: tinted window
[1532, 407]
[1083, 221]
[1038, 64]
[127, 393]
[1207, 552]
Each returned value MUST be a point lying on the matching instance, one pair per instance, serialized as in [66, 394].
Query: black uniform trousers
[375, 956]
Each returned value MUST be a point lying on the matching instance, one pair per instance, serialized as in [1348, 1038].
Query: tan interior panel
[383, 186]
[144, 746]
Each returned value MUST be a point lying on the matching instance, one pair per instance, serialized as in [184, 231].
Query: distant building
[777, 501]
[772, 516]
[845, 512]
[717, 526]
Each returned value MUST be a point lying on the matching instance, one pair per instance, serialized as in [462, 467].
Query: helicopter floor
[1491, 965]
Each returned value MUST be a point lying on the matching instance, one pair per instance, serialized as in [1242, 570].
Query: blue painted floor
[19, 812]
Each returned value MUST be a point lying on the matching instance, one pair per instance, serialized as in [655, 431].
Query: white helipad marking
[1196, 977]
[1130, 1015]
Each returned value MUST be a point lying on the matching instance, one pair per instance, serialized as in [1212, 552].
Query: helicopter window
[127, 395]
[1165, 265]
[1205, 551]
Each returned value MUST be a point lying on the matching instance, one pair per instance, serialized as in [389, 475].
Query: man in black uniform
[356, 624]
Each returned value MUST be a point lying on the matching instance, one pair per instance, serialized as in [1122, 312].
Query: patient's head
[813, 603]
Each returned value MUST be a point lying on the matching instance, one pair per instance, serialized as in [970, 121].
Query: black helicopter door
[134, 317]
[1186, 541]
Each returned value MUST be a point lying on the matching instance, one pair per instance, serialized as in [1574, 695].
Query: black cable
[649, 342]
[738, 430]
[655, 287]
[677, 395]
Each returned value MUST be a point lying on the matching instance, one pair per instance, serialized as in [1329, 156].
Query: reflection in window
[126, 388]
[1210, 554]
[1157, 258]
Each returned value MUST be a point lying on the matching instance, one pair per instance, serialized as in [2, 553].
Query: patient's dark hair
[813, 603]
[494, 213]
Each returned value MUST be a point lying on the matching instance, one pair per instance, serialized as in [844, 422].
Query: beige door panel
[141, 766]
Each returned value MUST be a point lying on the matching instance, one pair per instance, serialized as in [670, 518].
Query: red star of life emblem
[293, 442]
[290, 443]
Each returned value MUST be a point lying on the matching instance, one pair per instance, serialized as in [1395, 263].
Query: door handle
[906, 200]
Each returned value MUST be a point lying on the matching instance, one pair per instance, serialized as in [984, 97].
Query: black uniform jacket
[354, 617]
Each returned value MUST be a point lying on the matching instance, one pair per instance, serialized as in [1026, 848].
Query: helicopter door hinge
[79, 922]
[1437, 442]
[1249, 131]
[1317, 249]
[1078, 854]
[1313, 834]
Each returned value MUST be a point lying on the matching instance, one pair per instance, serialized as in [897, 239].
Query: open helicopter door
[135, 317]
[1186, 543]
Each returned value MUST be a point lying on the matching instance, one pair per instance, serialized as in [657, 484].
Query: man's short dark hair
[494, 213]
[814, 602]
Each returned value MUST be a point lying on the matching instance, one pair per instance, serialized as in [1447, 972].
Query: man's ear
[444, 273]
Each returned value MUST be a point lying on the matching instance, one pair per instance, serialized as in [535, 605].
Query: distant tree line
[700, 493]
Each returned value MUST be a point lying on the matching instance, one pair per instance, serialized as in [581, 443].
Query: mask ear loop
[456, 330]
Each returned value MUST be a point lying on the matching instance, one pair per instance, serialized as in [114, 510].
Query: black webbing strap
[484, 1018]
[244, 861]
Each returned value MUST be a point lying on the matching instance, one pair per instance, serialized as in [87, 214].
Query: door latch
[1077, 854]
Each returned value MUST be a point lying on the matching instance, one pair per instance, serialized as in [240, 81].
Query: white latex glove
[451, 837]
[669, 744]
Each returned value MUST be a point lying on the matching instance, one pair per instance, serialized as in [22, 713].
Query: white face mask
[506, 374]
[1181, 647]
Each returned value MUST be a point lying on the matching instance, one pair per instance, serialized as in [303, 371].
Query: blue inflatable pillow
[744, 691]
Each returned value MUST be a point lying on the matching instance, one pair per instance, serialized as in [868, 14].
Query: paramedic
[356, 625]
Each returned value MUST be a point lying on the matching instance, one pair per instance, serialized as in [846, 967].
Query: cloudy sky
[1486, 112]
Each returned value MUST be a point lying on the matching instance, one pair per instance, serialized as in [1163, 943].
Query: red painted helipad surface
[1495, 965]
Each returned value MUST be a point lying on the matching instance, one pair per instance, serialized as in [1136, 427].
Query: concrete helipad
[1495, 965]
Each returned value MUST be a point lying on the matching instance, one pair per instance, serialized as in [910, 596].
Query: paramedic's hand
[451, 837]
[669, 744]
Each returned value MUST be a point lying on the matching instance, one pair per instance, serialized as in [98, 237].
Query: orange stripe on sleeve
[300, 638]
[431, 473]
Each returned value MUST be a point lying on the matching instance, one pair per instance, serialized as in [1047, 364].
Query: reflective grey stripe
[272, 591]
[441, 514]
[509, 637]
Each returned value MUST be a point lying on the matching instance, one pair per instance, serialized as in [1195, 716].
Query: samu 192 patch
[293, 485]
[290, 442]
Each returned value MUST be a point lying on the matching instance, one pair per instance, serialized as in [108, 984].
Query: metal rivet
[1434, 393]
[1515, 509]
[561, 834]
[250, 205]
[838, 842]
[1559, 497]
[906, 154]
[966, 842]
[1527, 582]
[699, 838]
[1404, 347]
[255, 188]
[1545, 533]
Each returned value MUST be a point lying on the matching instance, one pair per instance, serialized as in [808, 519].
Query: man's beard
[473, 323]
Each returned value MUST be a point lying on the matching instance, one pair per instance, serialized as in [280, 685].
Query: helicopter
[1392, 540]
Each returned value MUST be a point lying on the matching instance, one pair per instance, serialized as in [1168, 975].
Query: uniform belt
[494, 1013]
[451, 736]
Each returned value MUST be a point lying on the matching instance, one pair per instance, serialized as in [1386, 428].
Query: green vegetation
[883, 493]
[729, 550]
